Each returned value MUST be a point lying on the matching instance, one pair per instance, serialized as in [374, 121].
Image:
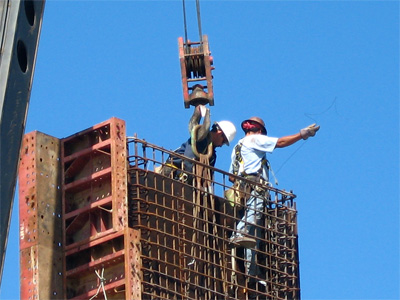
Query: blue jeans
[249, 226]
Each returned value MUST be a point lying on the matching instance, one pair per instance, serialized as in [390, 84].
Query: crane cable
[198, 21]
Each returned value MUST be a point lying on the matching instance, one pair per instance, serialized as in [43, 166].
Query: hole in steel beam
[30, 11]
[22, 56]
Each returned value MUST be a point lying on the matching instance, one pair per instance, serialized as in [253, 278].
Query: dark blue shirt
[186, 150]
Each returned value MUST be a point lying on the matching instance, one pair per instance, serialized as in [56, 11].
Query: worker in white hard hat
[203, 140]
[249, 161]
[224, 130]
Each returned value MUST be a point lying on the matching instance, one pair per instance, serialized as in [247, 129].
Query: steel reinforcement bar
[186, 224]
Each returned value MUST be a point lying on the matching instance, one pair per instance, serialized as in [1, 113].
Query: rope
[284, 163]
[308, 115]
[273, 174]
[101, 285]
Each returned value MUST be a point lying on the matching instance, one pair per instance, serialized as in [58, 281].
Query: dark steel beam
[20, 25]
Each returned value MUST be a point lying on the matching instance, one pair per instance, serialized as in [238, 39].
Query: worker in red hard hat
[257, 143]
[249, 161]
[203, 140]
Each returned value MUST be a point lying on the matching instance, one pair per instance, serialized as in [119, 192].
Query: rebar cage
[186, 224]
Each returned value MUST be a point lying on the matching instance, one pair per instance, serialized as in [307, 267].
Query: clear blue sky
[292, 63]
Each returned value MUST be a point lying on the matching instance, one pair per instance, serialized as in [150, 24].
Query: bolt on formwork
[186, 223]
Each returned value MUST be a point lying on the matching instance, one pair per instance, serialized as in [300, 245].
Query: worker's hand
[309, 131]
[202, 109]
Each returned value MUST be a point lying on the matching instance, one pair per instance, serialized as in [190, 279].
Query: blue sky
[291, 63]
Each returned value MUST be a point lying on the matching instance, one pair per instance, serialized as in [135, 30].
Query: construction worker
[249, 160]
[203, 141]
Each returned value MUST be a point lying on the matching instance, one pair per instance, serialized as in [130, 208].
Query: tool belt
[172, 171]
[241, 190]
[259, 188]
[238, 193]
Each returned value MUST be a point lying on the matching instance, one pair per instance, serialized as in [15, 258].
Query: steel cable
[198, 21]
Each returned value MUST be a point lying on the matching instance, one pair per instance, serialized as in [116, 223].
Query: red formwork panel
[107, 267]
[102, 256]
[41, 257]
[94, 182]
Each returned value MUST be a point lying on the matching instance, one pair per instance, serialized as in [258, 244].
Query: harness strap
[171, 166]
[239, 161]
[272, 173]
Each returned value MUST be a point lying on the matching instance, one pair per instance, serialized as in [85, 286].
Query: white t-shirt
[254, 148]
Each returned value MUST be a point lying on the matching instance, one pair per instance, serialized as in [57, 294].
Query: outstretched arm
[288, 140]
[304, 134]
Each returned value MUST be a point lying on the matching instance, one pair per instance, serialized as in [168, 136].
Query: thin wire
[284, 163]
[309, 116]
[321, 113]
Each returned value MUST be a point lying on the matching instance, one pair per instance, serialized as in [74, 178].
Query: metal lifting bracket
[196, 66]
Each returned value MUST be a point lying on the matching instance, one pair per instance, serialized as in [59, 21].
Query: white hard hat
[228, 129]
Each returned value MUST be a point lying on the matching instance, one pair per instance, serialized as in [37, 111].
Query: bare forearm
[288, 140]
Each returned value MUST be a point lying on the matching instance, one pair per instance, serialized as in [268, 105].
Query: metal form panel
[102, 257]
[40, 218]
[186, 228]
[20, 25]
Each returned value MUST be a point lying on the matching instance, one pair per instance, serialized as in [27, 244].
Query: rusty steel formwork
[186, 225]
[75, 242]
[41, 257]
[102, 255]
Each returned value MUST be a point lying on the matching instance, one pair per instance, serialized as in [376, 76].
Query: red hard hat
[255, 120]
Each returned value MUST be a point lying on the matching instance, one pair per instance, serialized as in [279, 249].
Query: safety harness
[241, 189]
[238, 164]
